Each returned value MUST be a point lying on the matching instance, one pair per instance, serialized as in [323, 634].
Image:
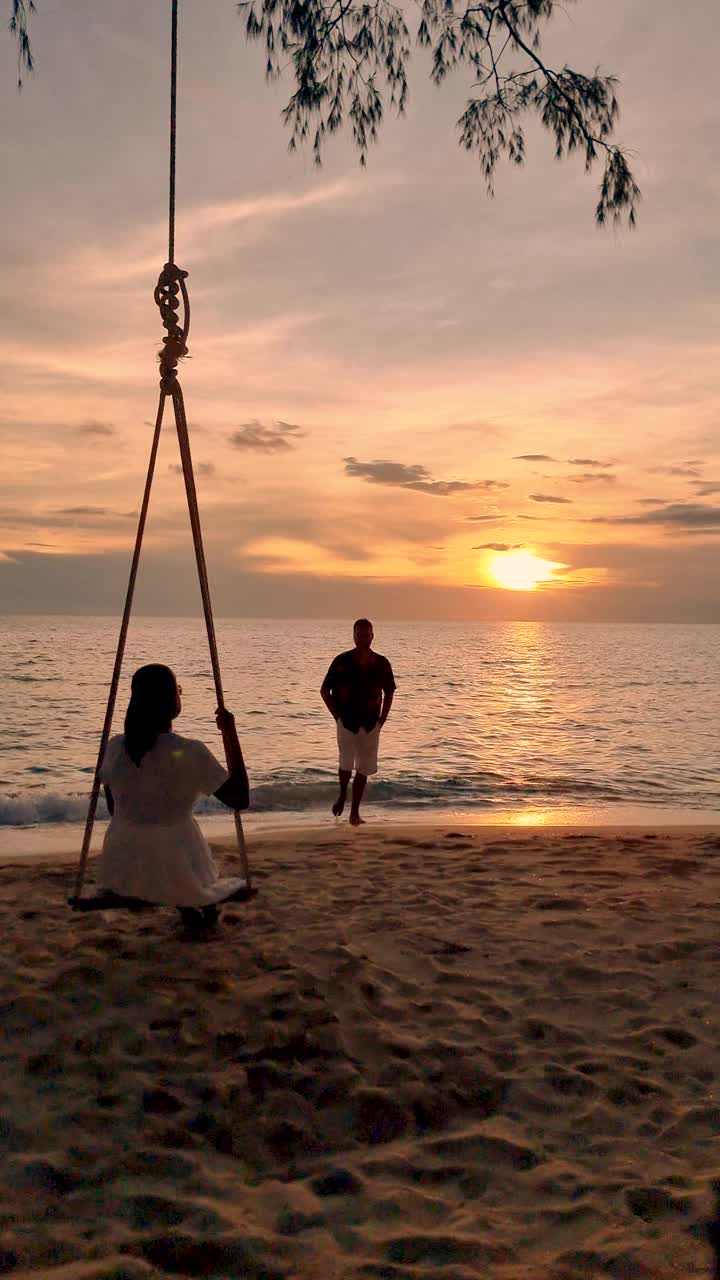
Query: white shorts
[358, 750]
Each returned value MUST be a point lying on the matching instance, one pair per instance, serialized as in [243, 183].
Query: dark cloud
[62, 517]
[690, 515]
[499, 546]
[95, 428]
[279, 437]
[592, 477]
[652, 502]
[82, 511]
[402, 475]
[704, 488]
[201, 468]
[696, 533]
[688, 470]
[549, 497]
[571, 462]
[534, 457]
[485, 519]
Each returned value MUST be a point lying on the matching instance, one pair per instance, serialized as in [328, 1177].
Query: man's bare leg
[339, 805]
[358, 791]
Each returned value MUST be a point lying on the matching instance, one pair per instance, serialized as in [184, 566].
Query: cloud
[698, 533]
[499, 546]
[592, 477]
[652, 502]
[534, 457]
[73, 518]
[571, 462]
[204, 231]
[485, 519]
[94, 428]
[200, 468]
[82, 511]
[688, 470]
[401, 475]
[690, 515]
[549, 497]
[212, 217]
[280, 437]
[704, 488]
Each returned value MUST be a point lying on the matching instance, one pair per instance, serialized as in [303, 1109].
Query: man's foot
[210, 916]
[356, 820]
[339, 805]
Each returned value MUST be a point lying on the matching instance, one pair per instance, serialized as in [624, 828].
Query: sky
[401, 393]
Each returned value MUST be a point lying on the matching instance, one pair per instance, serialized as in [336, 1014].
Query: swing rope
[170, 291]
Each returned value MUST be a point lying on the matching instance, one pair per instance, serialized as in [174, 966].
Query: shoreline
[61, 843]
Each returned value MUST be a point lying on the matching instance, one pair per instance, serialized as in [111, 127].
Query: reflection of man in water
[358, 692]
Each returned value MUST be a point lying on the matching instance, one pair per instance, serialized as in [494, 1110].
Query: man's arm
[388, 696]
[389, 687]
[327, 697]
[109, 800]
[326, 693]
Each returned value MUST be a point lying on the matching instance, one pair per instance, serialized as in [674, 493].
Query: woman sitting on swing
[154, 849]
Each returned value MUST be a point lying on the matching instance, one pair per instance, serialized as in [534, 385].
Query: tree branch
[619, 191]
[19, 15]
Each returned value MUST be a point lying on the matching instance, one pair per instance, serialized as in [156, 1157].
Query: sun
[522, 570]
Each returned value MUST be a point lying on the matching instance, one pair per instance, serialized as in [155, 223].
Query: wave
[303, 791]
[28, 811]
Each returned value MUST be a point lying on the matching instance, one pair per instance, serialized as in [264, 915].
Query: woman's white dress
[154, 848]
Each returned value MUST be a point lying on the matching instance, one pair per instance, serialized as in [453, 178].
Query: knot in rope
[169, 289]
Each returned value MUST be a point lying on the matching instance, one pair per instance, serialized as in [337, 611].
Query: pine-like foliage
[19, 12]
[348, 57]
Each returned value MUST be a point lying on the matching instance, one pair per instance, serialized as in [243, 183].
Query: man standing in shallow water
[358, 692]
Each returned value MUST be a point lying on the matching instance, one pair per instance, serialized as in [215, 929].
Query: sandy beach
[440, 1052]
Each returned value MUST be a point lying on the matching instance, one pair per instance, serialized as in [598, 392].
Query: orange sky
[392, 377]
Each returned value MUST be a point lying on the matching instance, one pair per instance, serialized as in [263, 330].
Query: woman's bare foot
[338, 806]
[356, 820]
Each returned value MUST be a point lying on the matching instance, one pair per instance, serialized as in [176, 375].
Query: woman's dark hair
[152, 706]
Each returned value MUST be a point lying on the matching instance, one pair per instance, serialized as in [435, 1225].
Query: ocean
[517, 719]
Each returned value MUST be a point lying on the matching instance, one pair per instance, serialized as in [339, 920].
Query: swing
[169, 292]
